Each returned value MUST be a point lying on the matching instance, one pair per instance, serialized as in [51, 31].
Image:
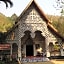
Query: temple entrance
[29, 50]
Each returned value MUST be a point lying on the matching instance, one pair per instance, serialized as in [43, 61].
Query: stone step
[34, 59]
[47, 62]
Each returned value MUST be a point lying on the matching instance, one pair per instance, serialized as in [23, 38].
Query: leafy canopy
[7, 2]
[5, 23]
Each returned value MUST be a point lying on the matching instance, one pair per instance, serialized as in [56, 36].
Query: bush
[1, 62]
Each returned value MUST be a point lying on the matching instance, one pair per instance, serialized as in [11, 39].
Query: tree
[5, 23]
[6, 2]
[14, 17]
[60, 6]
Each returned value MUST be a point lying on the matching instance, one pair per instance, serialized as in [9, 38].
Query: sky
[19, 6]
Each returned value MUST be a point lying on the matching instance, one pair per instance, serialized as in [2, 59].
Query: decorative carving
[32, 34]
[12, 36]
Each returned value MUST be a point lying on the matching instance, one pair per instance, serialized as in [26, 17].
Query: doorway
[29, 50]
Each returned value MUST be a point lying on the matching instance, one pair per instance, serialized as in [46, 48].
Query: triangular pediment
[30, 9]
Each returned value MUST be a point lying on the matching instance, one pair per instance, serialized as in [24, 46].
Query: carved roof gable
[33, 4]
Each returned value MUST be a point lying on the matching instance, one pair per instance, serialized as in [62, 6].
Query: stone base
[35, 59]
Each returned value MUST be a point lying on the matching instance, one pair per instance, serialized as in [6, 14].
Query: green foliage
[57, 22]
[60, 3]
[59, 25]
[5, 23]
[56, 47]
[2, 62]
[13, 18]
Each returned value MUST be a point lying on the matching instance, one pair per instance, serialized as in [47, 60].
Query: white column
[24, 49]
[34, 50]
[61, 49]
[47, 47]
[62, 53]
[33, 35]
[19, 52]
[19, 43]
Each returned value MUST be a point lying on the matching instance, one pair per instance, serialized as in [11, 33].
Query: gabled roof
[33, 2]
[49, 25]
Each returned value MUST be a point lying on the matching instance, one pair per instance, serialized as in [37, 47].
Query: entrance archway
[27, 41]
[29, 44]
[29, 50]
[40, 39]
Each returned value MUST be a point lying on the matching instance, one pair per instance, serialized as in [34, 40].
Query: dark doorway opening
[29, 50]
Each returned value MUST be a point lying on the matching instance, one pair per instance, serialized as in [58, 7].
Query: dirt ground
[48, 62]
[57, 61]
